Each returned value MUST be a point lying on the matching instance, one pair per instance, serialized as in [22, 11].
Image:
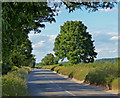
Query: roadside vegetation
[18, 19]
[102, 74]
[14, 82]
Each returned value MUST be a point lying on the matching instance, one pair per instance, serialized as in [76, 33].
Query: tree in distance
[49, 59]
[19, 18]
[74, 43]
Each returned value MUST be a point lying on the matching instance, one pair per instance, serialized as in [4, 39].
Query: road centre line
[61, 87]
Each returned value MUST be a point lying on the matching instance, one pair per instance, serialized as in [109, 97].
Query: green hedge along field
[104, 74]
[14, 83]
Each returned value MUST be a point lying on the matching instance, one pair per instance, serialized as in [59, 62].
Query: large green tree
[90, 5]
[19, 18]
[49, 59]
[75, 43]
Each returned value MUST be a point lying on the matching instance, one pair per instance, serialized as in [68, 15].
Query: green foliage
[90, 6]
[50, 67]
[103, 75]
[19, 18]
[117, 60]
[27, 68]
[13, 86]
[75, 71]
[57, 69]
[14, 68]
[49, 59]
[14, 83]
[23, 73]
[104, 60]
[115, 84]
[74, 43]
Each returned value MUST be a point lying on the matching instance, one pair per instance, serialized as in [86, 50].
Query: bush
[93, 73]
[70, 75]
[57, 68]
[115, 84]
[103, 75]
[53, 68]
[80, 72]
[14, 68]
[27, 68]
[14, 83]
[48, 66]
[74, 71]
[23, 73]
[65, 70]
[13, 86]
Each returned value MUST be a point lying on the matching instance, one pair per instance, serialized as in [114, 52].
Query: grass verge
[103, 74]
[14, 83]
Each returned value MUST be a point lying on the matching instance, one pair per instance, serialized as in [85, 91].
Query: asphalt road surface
[43, 82]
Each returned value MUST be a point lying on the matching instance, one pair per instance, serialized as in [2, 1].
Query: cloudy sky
[103, 25]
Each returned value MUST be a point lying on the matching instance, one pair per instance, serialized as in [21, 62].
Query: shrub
[14, 68]
[93, 73]
[65, 70]
[80, 72]
[23, 73]
[57, 68]
[13, 85]
[115, 84]
[103, 75]
[27, 68]
[53, 68]
[70, 75]
[48, 66]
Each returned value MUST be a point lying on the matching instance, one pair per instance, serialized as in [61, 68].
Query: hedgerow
[14, 83]
[105, 74]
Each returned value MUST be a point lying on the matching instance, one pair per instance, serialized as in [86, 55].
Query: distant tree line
[113, 60]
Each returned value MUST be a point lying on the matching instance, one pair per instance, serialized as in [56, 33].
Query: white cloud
[114, 51]
[39, 44]
[101, 49]
[112, 33]
[52, 38]
[97, 32]
[115, 38]
[42, 44]
[33, 35]
[100, 32]
[107, 10]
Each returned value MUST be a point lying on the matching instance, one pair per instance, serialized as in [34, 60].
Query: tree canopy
[91, 6]
[19, 18]
[74, 43]
[49, 59]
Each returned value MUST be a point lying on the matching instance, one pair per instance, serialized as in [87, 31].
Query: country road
[43, 82]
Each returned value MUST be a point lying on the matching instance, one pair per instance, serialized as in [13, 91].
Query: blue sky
[103, 25]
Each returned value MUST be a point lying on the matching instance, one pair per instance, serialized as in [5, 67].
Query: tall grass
[104, 74]
[14, 83]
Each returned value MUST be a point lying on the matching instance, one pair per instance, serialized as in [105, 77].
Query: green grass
[115, 84]
[104, 74]
[14, 83]
[48, 67]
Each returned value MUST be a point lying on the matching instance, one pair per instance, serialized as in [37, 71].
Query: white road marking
[70, 93]
[64, 89]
